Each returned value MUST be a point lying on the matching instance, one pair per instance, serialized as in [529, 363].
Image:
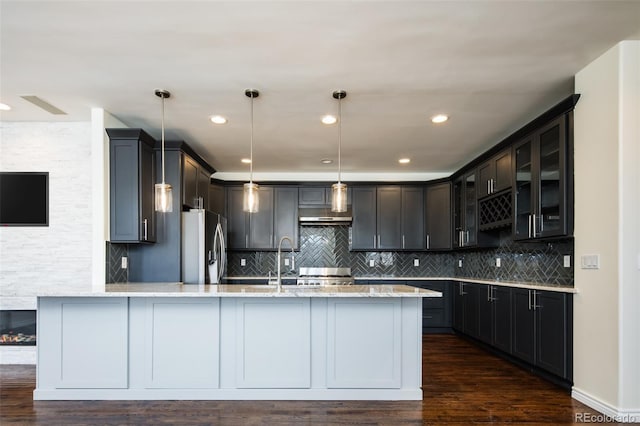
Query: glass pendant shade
[251, 202]
[339, 197]
[164, 200]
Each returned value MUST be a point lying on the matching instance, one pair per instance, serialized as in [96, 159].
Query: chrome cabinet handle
[428, 241]
[462, 292]
[529, 299]
[374, 240]
[378, 240]
[535, 305]
[145, 225]
[489, 186]
[529, 226]
[403, 241]
[533, 221]
[246, 241]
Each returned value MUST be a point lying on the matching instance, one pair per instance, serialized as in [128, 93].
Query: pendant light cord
[339, 138]
[163, 140]
[251, 146]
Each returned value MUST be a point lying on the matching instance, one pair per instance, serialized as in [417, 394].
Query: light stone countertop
[525, 285]
[248, 290]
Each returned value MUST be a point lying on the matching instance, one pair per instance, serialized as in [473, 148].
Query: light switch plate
[567, 261]
[124, 262]
[416, 262]
[243, 262]
[590, 261]
[286, 262]
[498, 262]
[372, 263]
[460, 263]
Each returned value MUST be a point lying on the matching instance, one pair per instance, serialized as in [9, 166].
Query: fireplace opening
[18, 327]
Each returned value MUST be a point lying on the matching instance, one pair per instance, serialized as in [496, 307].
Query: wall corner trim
[615, 413]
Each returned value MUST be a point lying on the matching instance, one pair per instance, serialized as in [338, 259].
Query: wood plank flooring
[463, 385]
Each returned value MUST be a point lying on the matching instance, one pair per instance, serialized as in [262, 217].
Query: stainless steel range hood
[323, 216]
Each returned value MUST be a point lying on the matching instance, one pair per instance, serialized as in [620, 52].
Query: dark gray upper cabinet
[413, 218]
[216, 199]
[496, 174]
[465, 215]
[286, 215]
[195, 183]
[261, 223]
[131, 186]
[437, 214]
[389, 217]
[318, 196]
[540, 196]
[363, 228]
[277, 216]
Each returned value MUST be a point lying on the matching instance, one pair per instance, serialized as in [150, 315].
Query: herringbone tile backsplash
[329, 246]
[114, 271]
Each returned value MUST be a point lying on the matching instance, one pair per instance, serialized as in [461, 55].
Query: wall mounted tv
[24, 198]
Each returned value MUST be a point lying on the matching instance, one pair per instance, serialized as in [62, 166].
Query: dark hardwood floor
[463, 385]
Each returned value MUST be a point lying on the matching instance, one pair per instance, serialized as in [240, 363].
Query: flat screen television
[24, 198]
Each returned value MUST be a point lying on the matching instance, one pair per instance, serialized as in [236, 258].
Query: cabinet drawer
[434, 318]
[433, 302]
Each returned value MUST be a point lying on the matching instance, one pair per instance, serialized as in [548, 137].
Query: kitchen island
[225, 342]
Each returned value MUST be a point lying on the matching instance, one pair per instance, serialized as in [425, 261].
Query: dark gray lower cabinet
[544, 331]
[436, 311]
[532, 325]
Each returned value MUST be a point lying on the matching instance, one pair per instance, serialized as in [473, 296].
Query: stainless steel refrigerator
[204, 254]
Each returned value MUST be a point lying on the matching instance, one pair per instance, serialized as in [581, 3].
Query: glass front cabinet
[541, 183]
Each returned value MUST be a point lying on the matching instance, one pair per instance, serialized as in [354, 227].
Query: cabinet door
[502, 318]
[550, 219]
[123, 186]
[216, 199]
[486, 175]
[485, 314]
[438, 216]
[458, 204]
[458, 306]
[523, 194]
[471, 296]
[503, 171]
[190, 175]
[261, 223]
[204, 179]
[313, 196]
[551, 331]
[470, 229]
[147, 194]
[286, 215]
[237, 223]
[523, 325]
[363, 228]
[389, 217]
[413, 218]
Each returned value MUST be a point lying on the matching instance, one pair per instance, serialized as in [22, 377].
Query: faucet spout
[279, 259]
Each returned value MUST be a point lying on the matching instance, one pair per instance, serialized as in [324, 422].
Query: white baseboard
[18, 355]
[609, 412]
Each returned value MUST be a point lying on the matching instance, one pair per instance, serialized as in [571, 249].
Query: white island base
[227, 345]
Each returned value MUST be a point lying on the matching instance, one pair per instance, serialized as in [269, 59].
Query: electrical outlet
[590, 261]
[567, 261]
[124, 262]
[498, 262]
[286, 262]
[372, 263]
[416, 262]
[243, 262]
[459, 263]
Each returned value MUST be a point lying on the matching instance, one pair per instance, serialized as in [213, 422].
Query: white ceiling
[492, 66]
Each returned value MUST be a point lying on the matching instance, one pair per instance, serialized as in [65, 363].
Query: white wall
[606, 348]
[38, 259]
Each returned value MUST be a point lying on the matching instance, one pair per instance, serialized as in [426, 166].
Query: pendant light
[250, 201]
[163, 196]
[339, 190]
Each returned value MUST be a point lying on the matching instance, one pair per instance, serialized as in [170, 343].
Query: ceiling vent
[41, 103]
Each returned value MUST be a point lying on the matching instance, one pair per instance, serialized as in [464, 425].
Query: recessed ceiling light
[404, 160]
[4, 107]
[218, 119]
[440, 118]
[326, 161]
[329, 119]
[246, 160]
